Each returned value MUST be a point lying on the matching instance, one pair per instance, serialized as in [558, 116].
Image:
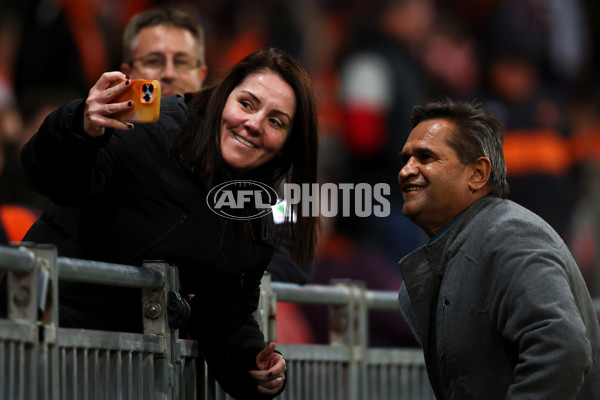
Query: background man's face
[169, 55]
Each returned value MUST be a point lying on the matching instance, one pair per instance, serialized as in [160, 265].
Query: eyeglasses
[158, 62]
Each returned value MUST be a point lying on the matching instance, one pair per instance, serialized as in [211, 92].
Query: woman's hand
[271, 376]
[99, 112]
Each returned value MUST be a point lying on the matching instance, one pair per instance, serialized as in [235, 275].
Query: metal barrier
[40, 360]
[346, 368]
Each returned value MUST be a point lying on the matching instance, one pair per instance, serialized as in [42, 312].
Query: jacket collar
[443, 247]
[423, 269]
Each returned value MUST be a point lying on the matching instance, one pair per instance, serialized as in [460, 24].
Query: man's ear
[480, 173]
[202, 72]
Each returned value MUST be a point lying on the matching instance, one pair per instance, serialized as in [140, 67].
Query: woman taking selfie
[143, 193]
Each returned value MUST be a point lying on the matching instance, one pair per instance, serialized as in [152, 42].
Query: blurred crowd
[534, 63]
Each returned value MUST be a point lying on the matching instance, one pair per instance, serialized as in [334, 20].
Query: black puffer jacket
[139, 203]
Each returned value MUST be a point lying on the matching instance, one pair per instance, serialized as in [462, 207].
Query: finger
[109, 86]
[262, 376]
[98, 113]
[108, 94]
[265, 354]
[268, 382]
[273, 387]
[110, 79]
[95, 125]
[279, 367]
[99, 107]
[119, 88]
[259, 376]
[275, 364]
[111, 109]
[115, 123]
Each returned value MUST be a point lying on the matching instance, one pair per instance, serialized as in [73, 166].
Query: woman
[143, 191]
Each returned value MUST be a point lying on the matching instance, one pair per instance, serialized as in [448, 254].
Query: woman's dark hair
[198, 147]
[478, 134]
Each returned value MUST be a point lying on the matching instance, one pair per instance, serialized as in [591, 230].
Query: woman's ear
[480, 173]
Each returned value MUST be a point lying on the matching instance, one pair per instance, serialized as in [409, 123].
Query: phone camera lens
[147, 92]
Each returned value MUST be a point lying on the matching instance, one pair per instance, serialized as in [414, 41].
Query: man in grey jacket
[495, 296]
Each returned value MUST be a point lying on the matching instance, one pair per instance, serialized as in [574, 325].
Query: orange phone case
[145, 95]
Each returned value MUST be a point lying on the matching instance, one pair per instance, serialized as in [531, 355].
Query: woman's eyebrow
[278, 112]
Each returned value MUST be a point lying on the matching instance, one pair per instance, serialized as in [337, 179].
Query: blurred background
[534, 63]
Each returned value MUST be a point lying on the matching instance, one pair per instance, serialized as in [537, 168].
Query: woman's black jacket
[139, 203]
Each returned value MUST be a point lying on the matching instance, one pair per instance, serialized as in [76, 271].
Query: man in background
[163, 44]
[166, 45]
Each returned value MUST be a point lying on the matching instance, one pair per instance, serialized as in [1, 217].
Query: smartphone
[145, 95]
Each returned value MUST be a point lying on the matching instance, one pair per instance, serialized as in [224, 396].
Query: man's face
[169, 55]
[434, 183]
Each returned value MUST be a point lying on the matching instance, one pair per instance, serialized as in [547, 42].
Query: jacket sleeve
[64, 163]
[232, 341]
[538, 314]
[59, 159]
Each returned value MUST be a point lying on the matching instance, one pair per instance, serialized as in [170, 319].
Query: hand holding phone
[145, 95]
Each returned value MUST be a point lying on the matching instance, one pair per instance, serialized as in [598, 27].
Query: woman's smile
[244, 141]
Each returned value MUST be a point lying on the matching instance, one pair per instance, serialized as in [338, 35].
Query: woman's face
[256, 121]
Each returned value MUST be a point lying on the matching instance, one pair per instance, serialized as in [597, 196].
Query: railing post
[32, 298]
[348, 326]
[21, 368]
[22, 294]
[348, 322]
[155, 304]
[154, 314]
[362, 346]
[48, 366]
[267, 309]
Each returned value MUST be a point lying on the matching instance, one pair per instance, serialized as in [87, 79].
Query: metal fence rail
[40, 360]
[347, 369]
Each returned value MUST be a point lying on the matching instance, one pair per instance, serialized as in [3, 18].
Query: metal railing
[40, 360]
[347, 368]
